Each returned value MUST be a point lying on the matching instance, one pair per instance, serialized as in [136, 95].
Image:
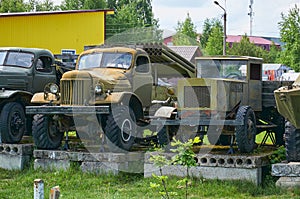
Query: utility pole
[225, 18]
[251, 14]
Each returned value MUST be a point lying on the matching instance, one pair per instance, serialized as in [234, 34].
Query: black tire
[164, 137]
[186, 132]
[292, 142]
[223, 140]
[12, 123]
[45, 132]
[29, 119]
[120, 129]
[279, 131]
[215, 136]
[245, 134]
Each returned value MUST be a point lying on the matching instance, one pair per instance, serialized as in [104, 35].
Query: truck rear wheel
[215, 139]
[245, 134]
[292, 142]
[120, 129]
[165, 134]
[45, 132]
[12, 122]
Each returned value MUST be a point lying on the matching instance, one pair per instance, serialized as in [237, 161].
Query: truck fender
[38, 98]
[5, 94]
[165, 112]
[125, 98]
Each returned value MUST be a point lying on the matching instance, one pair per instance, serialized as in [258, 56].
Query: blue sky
[267, 14]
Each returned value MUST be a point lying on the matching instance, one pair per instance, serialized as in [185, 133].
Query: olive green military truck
[228, 102]
[117, 88]
[288, 105]
[23, 71]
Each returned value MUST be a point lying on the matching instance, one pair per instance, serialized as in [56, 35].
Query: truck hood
[14, 77]
[107, 76]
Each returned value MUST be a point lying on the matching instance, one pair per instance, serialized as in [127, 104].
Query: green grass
[76, 184]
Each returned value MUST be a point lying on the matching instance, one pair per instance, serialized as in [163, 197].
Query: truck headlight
[98, 89]
[53, 88]
[51, 92]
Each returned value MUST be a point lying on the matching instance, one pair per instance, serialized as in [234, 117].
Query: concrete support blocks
[15, 156]
[289, 174]
[91, 162]
[222, 173]
[210, 166]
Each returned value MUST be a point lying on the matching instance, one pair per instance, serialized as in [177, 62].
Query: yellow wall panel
[54, 31]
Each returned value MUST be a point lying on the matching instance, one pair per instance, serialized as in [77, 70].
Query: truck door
[143, 80]
[255, 86]
[44, 73]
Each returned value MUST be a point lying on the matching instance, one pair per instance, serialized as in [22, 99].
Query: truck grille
[197, 97]
[75, 92]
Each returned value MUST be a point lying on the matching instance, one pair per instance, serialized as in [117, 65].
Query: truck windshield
[213, 68]
[105, 60]
[12, 58]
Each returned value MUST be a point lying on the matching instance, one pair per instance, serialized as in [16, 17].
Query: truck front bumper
[67, 110]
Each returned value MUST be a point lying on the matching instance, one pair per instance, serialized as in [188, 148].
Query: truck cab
[23, 72]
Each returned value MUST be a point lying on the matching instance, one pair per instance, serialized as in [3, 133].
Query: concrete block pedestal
[223, 167]
[15, 156]
[289, 174]
[114, 163]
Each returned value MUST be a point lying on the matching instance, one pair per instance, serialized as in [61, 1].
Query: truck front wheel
[120, 129]
[12, 123]
[245, 134]
[292, 142]
[45, 132]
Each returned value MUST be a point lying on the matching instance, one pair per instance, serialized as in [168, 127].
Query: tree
[131, 17]
[45, 5]
[94, 4]
[246, 48]
[28, 6]
[209, 24]
[83, 4]
[186, 33]
[12, 6]
[72, 4]
[187, 27]
[143, 9]
[273, 56]
[290, 35]
[214, 44]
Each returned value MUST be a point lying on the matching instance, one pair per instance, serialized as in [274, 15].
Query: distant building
[59, 31]
[168, 37]
[275, 40]
[258, 41]
[187, 52]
